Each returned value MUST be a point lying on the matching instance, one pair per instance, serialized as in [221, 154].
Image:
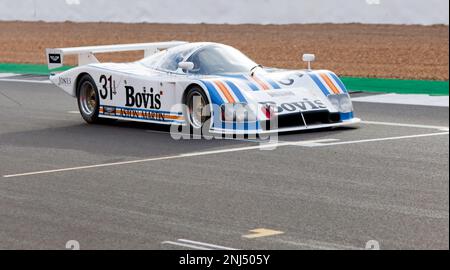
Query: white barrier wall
[230, 11]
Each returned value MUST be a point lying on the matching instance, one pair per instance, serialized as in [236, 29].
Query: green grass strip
[397, 86]
[28, 69]
[352, 83]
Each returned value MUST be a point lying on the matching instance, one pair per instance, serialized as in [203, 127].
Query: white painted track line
[441, 128]
[205, 244]
[185, 245]
[380, 139]
[3, 75]
[25, 81]
[194, 154]
[265, 146]
[405, 99]
[196, 245]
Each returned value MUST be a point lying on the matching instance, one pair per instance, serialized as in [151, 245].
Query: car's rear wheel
[198, 111]
[88, 99]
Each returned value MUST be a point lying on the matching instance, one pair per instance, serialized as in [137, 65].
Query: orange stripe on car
[225, 91]
[260, 83]
[174, 117]
[329, 83]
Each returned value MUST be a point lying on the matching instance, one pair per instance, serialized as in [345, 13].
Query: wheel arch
[199, 85]
[192, 85]
[77, 81]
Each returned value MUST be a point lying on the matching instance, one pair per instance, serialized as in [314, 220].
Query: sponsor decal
[64, 81]
[54, 58]
[281, 94]
[141, 114]
[148, 98]
[287, 81]
[303, 105]
[290, 79]
[108, 110]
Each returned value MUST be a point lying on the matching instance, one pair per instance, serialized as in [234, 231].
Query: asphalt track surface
[328, 189]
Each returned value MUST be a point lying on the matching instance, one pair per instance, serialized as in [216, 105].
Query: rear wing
[86, 55]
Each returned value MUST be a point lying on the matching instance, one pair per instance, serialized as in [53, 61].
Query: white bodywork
[133, 91]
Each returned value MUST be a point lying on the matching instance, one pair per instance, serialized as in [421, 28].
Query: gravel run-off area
[385, 51]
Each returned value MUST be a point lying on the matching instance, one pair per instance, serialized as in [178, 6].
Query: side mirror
[188, 66]
[308, 58]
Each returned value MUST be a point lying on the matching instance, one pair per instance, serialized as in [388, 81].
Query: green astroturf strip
[397, 86]
[28, 69]
[352, 83]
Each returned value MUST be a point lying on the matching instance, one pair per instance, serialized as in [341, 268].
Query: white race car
[205, 86]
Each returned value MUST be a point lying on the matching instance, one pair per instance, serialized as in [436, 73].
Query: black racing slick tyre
[88, 99]
[197, 111]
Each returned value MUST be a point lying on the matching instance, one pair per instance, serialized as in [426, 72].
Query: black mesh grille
[311, 118]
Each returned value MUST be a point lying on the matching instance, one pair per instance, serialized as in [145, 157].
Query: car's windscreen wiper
[252, 70]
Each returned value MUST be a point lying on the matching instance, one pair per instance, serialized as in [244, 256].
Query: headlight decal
[341, 102]
[345, 103]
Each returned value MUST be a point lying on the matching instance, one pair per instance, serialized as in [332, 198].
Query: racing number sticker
[108, 87]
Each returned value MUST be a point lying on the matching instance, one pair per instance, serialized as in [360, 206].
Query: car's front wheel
[88, 99]
[198, 111]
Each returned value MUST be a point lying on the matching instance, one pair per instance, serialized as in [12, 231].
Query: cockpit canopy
[208, 59]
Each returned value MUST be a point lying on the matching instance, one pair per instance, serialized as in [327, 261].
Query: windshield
[219, 59]
[169, 59]
[210, 59]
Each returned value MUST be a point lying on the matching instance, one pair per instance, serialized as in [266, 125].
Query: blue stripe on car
[319, 83]
[242, 77]
[339, 82]
[273, 83]
[215, 96]
[236, 91]
[346, 116]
